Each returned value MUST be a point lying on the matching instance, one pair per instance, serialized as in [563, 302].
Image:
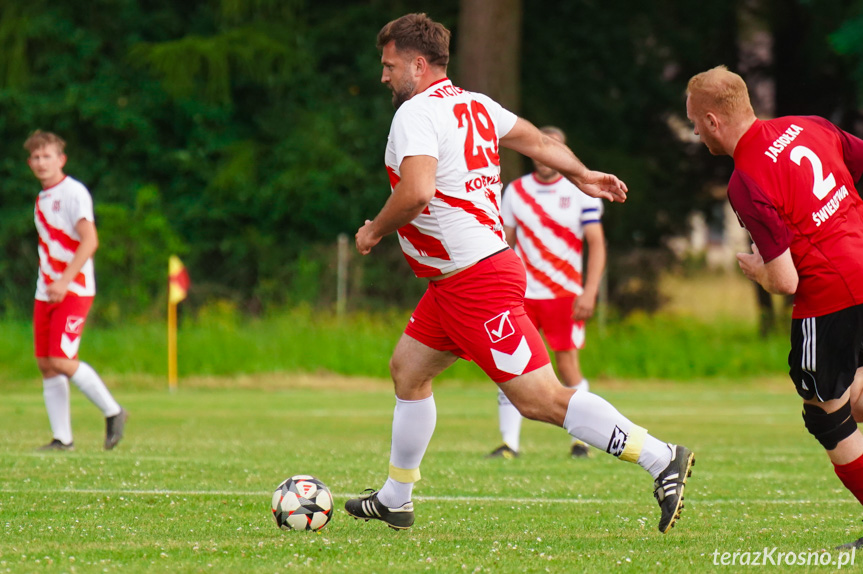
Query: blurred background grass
[708, 328]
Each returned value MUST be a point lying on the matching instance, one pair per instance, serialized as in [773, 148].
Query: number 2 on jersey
[477, 156]
[821, 186]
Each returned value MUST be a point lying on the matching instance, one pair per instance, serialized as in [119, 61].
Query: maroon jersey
[793, 187]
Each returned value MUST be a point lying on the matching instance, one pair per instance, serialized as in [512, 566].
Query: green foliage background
[245, 135]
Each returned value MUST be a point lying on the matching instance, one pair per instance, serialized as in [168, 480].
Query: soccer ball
[302, 502]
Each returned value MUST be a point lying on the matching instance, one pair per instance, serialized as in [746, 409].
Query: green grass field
[221, 343]
[189, 489]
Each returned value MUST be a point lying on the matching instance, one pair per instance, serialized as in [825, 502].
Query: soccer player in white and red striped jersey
[547, 219]
[444, 168]
[65, 288]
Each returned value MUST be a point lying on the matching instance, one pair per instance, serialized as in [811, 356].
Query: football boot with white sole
[368, 507]
[668, 486]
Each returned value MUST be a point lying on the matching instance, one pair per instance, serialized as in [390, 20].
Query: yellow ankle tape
[404, 474]
[634, 443]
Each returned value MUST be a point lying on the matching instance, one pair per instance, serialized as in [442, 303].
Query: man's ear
[712, 121]
[420, 65]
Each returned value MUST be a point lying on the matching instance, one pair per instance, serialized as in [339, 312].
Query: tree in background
[847, 40]
[254, 128]
[489, 60]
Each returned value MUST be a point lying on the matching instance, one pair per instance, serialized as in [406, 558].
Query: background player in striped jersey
[444, 170]
[793, 189]
[547, 219]
[64, 292]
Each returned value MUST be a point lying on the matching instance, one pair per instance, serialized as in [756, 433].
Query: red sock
[851, 475]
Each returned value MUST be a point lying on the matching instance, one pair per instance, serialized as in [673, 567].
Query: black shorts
[826, 352]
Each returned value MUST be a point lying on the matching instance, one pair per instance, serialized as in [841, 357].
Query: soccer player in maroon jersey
[793, 189]
[444, 169]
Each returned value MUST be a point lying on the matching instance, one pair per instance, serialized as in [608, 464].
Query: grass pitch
[189, 489]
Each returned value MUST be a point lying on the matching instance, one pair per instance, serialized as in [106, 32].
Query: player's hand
[751, 264]
[366, 239]
[57, 291]
[583, 308]
[602, 185]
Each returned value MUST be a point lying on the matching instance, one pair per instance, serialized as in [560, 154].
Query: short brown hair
[40, 139]
[418, 33]
[554, 130]
[720, 90]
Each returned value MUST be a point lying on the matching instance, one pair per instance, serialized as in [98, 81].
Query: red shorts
[554, 318]
[57, 327]
[479, 315]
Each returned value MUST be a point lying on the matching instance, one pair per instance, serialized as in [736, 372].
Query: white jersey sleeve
[415, 133]
[78, 205]
[591, 209]
[504, 119]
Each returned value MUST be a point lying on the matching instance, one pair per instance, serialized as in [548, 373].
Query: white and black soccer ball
[302, 502]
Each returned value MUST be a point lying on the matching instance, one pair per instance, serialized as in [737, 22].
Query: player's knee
[529, 409]
[61, 366]
[829, 428]
[44, 365]
[856, 396]
[400, 369]
[546, 411]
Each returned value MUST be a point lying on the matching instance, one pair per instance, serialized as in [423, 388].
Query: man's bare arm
[778, 276]
[410, 196]
[526, 139]
[596, 258]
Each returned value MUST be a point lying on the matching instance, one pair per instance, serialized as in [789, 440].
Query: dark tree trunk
[756, 66]
[766, 314]
[489, 50]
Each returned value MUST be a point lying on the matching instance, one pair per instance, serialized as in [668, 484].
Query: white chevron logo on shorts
[70, 346]
[516, 362]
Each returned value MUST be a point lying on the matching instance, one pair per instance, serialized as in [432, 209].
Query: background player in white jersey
[64, 292]
[443, 163]
[547, 220]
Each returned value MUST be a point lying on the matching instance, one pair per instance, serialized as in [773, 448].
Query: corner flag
[178, 280]
[178, 285]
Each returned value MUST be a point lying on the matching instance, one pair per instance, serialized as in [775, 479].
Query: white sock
[56, 392]
[86, 379]
[595, 421]
[510, 421]
[413, 426]
[582, 386]
[655, 456]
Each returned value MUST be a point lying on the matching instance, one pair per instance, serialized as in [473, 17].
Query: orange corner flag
[178, 280]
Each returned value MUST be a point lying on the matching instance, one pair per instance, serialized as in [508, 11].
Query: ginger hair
[721, 91]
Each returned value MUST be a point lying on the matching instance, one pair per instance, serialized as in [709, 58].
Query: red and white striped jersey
[549, 219]
[58, 210]
[461, 129]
